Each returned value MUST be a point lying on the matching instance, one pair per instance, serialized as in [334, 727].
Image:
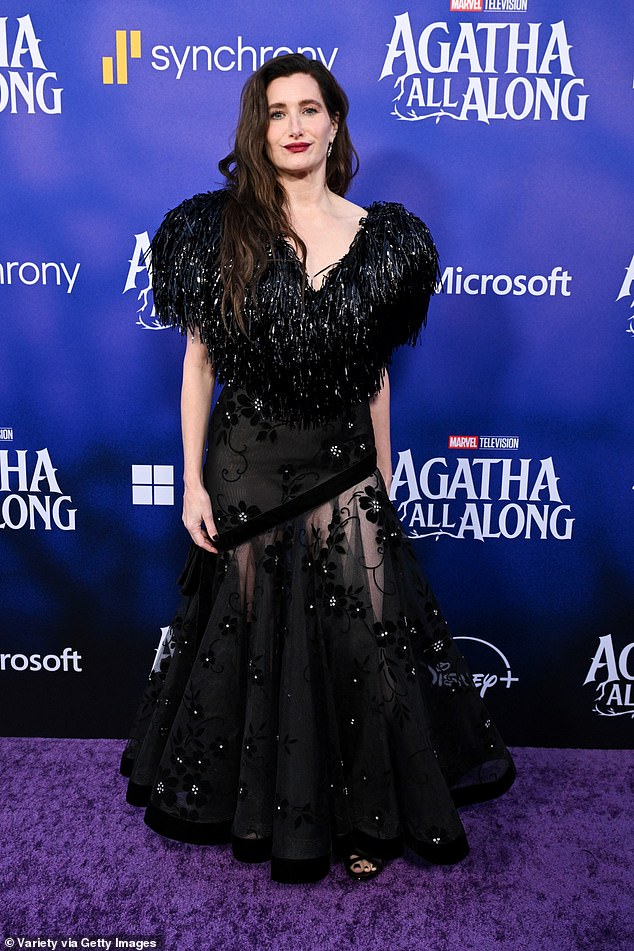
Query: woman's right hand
[198, 518]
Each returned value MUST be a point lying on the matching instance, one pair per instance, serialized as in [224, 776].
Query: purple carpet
[550, 868]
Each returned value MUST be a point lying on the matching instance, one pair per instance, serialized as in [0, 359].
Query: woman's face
[300, 129]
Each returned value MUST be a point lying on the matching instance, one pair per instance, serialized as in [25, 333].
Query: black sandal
[362, 875]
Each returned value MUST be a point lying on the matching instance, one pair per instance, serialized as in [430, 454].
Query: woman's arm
[196, 393]
[380, 413]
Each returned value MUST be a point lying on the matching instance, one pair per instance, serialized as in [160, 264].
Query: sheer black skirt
[307, 697]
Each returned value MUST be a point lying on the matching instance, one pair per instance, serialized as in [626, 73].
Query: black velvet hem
[482, 792]
[326, 490]
[346, 845]
[299, 871]
[251, 850]
[196, 833]
[285, 871]
[126, 765]
[137, 795]
[446, 853]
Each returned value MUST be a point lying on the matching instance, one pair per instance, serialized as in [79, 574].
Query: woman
[308, 697]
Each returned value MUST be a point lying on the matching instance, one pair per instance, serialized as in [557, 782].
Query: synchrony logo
[123, 50]
[612, 677]
[237, 55]
[30, 495]
[26, 84]
[488, 70]
[626, 291]
[480, 498]
[46, 272]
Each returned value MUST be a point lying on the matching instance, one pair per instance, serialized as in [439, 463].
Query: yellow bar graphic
[135, 44]
[122, 57]
[107, 70]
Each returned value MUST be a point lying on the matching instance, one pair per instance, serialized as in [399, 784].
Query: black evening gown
[308, 697]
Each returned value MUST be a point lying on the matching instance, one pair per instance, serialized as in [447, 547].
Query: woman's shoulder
[390, 226]
[183, 255]
[199, 207]
[397, 255]
[398, 270]
[192, 227]
[393, 213]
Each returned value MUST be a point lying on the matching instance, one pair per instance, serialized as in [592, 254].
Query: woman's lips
[297, 147]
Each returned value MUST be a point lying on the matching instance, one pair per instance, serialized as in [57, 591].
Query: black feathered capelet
[309, 359]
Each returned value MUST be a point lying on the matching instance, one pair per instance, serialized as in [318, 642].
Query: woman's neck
[304, 196]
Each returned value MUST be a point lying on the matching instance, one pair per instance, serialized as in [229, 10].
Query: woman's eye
[310, 110]
[277, 114]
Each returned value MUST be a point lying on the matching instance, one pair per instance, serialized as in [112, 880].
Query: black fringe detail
[309, 358]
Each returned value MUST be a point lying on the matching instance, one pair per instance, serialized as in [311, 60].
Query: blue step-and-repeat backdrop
[507, 126]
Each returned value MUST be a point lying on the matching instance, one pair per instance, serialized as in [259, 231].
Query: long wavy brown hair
[255, 214]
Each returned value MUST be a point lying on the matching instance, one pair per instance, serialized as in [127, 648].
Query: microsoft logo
[152, 485]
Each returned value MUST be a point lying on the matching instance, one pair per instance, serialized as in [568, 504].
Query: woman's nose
[295, 124]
